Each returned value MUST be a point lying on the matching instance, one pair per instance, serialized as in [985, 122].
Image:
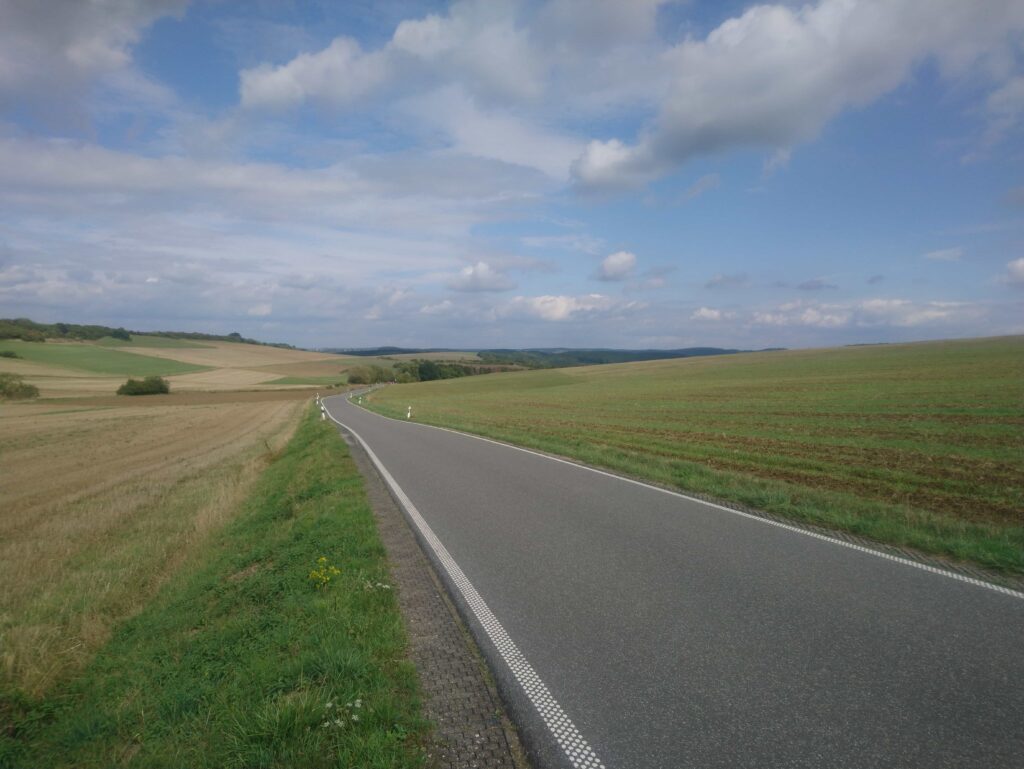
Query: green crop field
[149, 341]
[920, 445]
[97, 359]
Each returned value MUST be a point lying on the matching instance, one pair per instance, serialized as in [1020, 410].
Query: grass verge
[240, 661]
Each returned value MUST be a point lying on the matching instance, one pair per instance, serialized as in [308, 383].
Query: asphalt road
[675, 634]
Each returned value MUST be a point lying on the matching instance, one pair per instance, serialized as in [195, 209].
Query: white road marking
[796, 529]
[576, 748]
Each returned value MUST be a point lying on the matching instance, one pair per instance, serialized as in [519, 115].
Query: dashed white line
[568, 737]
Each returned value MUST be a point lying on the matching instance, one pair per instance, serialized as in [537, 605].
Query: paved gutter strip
[471, 728]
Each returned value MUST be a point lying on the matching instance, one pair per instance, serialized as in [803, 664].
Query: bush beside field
[13, 387]
[151, 385]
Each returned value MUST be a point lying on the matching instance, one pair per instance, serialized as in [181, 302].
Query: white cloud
[260, 310]
[869, 313]
[494, 133]
[617, 266]
[338, 75]
[1015, 273]
[561, 308]
[707, 313]
[480, 277]
[945, 255]
[48, 51]
[478, 44]
[775, 75]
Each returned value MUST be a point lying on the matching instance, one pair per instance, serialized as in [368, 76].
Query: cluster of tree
[565, 358]
[13, 387]
[429, 370]
[369, 375]
[151, 385]
[30, 331]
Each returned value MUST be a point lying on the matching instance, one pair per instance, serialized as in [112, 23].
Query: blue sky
[558, 173]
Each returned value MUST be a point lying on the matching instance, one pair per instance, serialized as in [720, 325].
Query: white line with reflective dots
[568, 737]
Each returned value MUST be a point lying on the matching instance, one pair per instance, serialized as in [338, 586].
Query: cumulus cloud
[617, 266]
[478, 44]
[338, 75]
[775, 75]
[562, 308]
[480, 277]
[945, 255]
[1014, 275]
[56, 47]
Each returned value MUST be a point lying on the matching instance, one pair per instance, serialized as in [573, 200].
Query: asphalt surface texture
[675, 634]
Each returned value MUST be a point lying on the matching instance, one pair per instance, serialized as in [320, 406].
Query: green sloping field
[150, 341]
[97, 359]
[914, 444]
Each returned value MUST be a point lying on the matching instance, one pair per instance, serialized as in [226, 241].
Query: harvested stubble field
[103, 499]
[920, 445]
[69, 369]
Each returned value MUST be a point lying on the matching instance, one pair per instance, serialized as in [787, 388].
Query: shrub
[151, 385]
[13, 387]
[9, 354]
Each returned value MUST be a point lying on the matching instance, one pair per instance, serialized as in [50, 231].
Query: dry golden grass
[233, 355]
[100, 503]
[232, 367]
[330, 367]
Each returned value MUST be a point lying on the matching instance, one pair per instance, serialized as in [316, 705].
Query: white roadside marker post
[408, 414]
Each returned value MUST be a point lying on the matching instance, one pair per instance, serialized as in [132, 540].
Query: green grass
[96, 359]
[919, 445]
[237, 661]
[144, 340]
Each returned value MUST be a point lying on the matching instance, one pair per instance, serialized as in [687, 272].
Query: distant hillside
[377, 352]
[30, 331]
[547, 357]
[566, 357]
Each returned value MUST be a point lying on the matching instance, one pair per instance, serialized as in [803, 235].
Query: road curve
[656, 631]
